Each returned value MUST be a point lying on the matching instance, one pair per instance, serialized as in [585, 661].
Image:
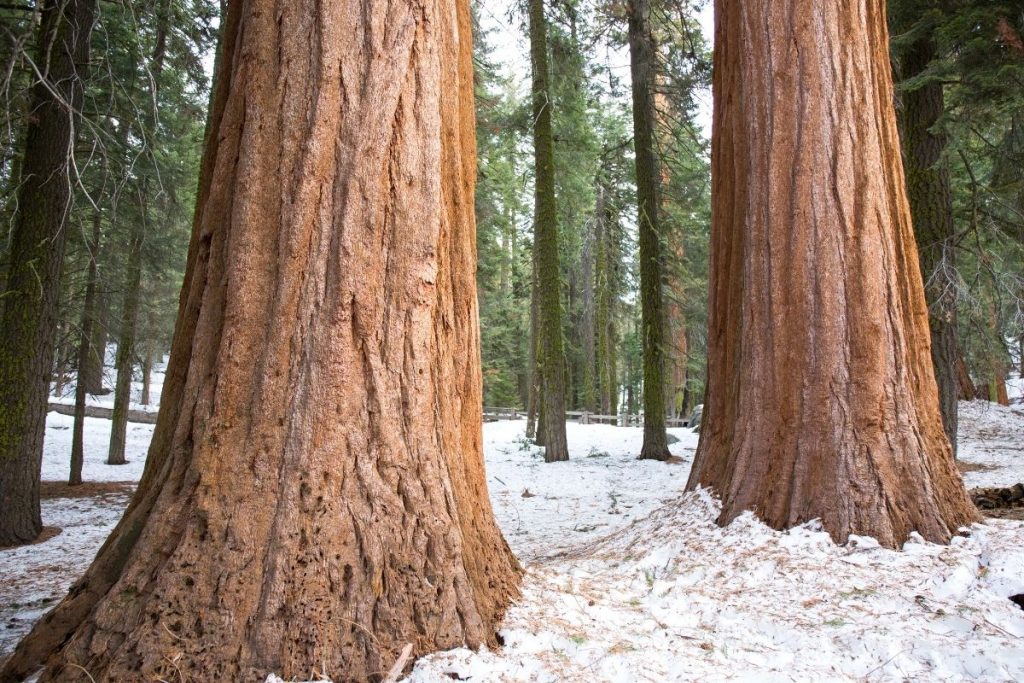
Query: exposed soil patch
[1005, 513]
[965, 467]
[1001, 502]
[51, 490]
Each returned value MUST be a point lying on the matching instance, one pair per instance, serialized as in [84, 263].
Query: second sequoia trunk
[821, 399]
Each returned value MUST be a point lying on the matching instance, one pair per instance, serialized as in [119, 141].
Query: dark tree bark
[84, 352]
[931, 206]
[90, 373]
[967, 390]
[126, 342]
[550, 357]
[532, 370]
[28, 321]
[124, 361]
[147, 371]
[314, 496]
[605, 263]
[673, 253]
[588, 313]
[821, 399]
[652, 322]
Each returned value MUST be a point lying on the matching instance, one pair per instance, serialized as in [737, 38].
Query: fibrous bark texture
[28, 322]
[652, 317]
[550, 355]
[314, 497]
[821, 399]
[931, 206]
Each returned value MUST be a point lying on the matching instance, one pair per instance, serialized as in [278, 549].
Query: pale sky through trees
[507, 38]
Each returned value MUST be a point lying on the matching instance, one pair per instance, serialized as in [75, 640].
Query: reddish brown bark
[314, 496]
[821, 396]
[967, 390]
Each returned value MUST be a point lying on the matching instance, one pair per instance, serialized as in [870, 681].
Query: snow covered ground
[156, 385]
[630, 580]
[992, 436]
[95, 443]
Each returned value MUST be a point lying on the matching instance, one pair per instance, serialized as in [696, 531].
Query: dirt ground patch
[46, 534]
[965, 467]
[1005, 513]
[1000, 502]
[50, 490]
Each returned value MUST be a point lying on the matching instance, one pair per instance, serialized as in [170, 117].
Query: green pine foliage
[596, 203]
[980, 64]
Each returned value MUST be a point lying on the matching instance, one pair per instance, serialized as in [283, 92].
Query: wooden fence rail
[490, 414]
[142, 416]
[583, 417]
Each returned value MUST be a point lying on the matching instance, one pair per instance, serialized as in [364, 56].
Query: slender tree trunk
[588, 319]
[996, 355]
[84, 351]
[90, 373]
[60, 365]
[607, 255]
[673, 255]
[821, 395]
[551, 358]
[28, 319]
[314, 497]
[997, 387]
[540, 431]
[125, 360]
[652, 323]
[967, 390]
[147, 370]
[931, 206]
[533, 371]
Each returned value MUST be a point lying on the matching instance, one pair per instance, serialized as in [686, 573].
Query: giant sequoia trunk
[314, 496]
[28, 320]
[821, 399]
[550, 356]
[652, 320]
[931, 206]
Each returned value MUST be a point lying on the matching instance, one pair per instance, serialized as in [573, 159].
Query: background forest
[135, 162]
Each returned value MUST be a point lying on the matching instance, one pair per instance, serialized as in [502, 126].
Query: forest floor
[629, 579]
